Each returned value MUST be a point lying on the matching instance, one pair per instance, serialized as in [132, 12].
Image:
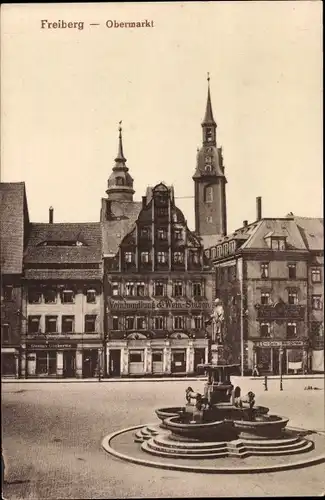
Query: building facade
[269, 275]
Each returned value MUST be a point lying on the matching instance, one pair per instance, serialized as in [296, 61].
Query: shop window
[162, 257]
[265, 330]
[67, 324]
[178, 322]
[264, 270]
[178, 257]
[129, 289]
[5, 332]
[51, 324]
[198, 322]
[129, 323]
[291, 330]
[140, 289]
[316, 302]
[159, 288]
[7, 292]
[158, 322]
[90, 323]
[34, 296]
[292, 297]
[157, 356]
[91, 296]
[129, 257]
[136, 356]
[292, 272]
[162, 234]
[197, 289]
[178, 234]
[67, 297]
[115, 289]
[115, 323]
[141, 323]
[50, 296]
[316, 276]
[34, 324]
[46, 363]
[178, 289]
[265, 298]
[145, 257]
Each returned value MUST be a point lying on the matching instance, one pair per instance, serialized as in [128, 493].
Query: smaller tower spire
[208, 117]
[120, 156]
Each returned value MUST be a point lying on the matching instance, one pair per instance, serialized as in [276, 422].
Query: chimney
[51, 215]
[144, 201]
[245, 223]
[258, 208]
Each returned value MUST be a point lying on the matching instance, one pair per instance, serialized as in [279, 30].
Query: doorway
[69, 364]
[115, 362]
[90, 363]
[199, 358]
[178, 361]
[276, 361]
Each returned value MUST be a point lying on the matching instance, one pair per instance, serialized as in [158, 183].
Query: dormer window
[219, 251]
[278, 243]
[129, 257]
[178, 234]
[225, 249]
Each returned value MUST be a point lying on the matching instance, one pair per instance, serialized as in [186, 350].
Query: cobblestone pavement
[52, 437]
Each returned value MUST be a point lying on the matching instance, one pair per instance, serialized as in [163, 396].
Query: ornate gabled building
[62, 335]
[269, 276]
[210, 183]
[157, 286]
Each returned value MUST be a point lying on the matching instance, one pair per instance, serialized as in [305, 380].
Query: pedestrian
[255, 371]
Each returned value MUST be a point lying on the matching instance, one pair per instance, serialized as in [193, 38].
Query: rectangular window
[67, 297]
[140, 289]
[278, 243]
[129, 323]
[265, 298]
[264, 270]
[159, 288]
[7, 292]
[198, 322]
[51, 324]
[115, 289]
[141, 323]
[196, 289]
[145, 257]
[158, 322]
[145, 233]
[34, 296]
[162, 234]
[129, 257]
[265, 329]
[5, 330]
[178, 289]
[34, 325]
[136, 356]
[178, 234]
[157, 356]
[178, 322]
[292, 297]
[316, 302]
[129, 289]
[162, 257]
[291, 330]
[115, 323]
[316, 276]
[90, 323]
[50, 296]
[91, 296]
[195, 257]
[178, 257]
[67, 324]
[292, 271]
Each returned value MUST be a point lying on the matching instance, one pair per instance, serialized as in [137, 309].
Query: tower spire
[208, 117]
[120, 156]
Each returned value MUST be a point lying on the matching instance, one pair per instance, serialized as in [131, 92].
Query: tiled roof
[89, 234]
[113, 231]
[312, 231]
[63, 274]
[12, 206]
[283, 227]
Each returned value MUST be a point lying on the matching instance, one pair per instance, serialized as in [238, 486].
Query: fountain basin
[266, 427]
[208, 431]
[163, 413]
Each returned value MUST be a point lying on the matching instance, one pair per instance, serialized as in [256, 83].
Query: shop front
[275, 357]
[9, 362]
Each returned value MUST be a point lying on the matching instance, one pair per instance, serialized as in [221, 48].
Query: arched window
[208, 194]
[119, 181]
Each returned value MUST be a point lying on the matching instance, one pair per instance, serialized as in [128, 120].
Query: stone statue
[217, 319]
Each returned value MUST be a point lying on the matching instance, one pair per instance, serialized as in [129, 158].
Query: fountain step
[165, 441]
[184, 451]
[168, 454]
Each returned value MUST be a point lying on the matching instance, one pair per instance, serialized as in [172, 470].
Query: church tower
[210, 181]
[120, 182]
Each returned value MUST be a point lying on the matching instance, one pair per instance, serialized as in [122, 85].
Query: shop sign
[280, 311]
[281, 343]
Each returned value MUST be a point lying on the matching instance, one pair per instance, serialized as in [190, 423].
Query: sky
[63, 92]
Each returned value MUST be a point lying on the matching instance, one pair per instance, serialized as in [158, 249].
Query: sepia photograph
[162, 250]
